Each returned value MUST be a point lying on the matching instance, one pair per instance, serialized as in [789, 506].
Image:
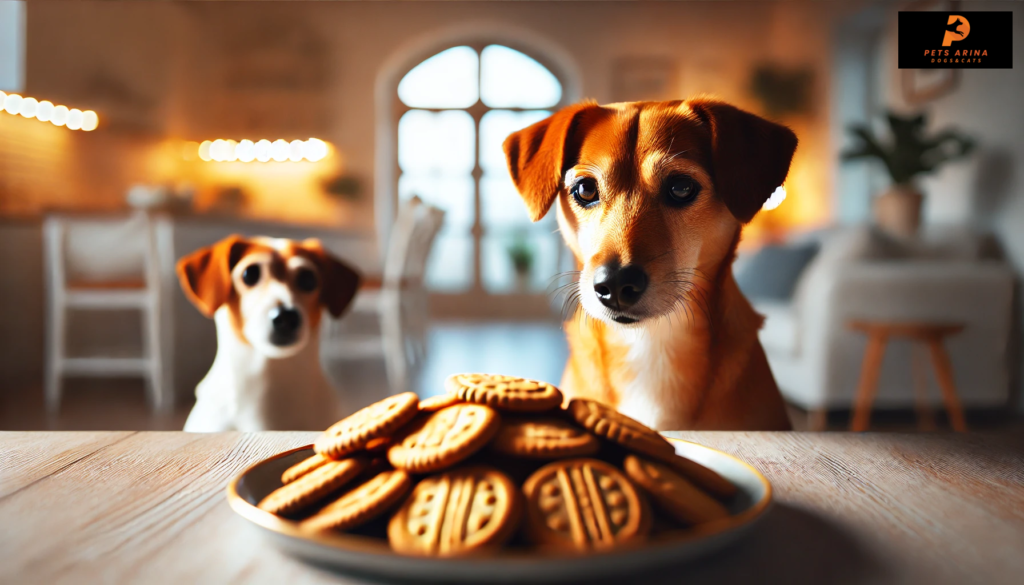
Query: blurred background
[135, 133]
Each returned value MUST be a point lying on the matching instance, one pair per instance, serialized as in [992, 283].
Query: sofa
[948, 275]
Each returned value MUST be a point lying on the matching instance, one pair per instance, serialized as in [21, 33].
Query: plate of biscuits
[498, 480]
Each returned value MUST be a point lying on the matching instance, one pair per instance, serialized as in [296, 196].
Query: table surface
[149, 507]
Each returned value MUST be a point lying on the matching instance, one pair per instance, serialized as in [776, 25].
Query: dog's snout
[619, 287]
[286, 323]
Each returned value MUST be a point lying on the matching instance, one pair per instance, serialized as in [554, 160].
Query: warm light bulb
[204, 151]
[246, 151]
[75, 119]
[262, 150]
[12, 103]
[28, 107]
[232, 153]
[315, 150]
[60, 116]
[219, 150]
[45, 111]
[280, 150]
[295, 150]
[90, 120]
[776, 199]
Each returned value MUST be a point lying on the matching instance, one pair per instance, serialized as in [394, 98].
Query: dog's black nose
[286, 323]
[619, 287]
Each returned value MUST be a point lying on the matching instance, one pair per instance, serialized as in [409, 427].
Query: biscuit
[504, 392]
[459, 512]
[701, 476]
[444, 438]
[380, 419]
[544, 439]
[362, 503]
[584, 504]
[606, 422]
[674, 494]
[303, 467]
[436, 403]
[312, 487]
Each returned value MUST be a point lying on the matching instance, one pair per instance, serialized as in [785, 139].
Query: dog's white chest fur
[652, 397]
[247, 391]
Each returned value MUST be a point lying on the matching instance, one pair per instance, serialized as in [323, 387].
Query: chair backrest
[412, 237]
[100, 249]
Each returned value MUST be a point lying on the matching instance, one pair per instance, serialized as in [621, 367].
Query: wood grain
[851, 508]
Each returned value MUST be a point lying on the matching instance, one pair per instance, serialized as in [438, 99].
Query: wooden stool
[925, 336]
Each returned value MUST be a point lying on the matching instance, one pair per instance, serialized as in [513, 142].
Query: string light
[221, 150]
[45, 111]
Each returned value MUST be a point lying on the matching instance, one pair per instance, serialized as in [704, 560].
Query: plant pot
[898, 211]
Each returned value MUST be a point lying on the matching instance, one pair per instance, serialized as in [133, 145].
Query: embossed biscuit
[673, 493]
[584, 504]
[380, 419]
[436, 403]
[704, 478]
[459, 512]
[606, 422]
[303, 467]
[444, 438]
[504, 392]
[312, 487]
[362, 503]
[548, 438]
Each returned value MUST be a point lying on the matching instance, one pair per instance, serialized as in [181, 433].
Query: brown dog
[652, 197]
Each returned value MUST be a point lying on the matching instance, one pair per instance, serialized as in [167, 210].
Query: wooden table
[120, 507]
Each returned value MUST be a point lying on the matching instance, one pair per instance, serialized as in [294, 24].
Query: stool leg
[944, 374]
[868, 381]
[919, 365]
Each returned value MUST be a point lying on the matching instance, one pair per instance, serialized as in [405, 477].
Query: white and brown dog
[266, 297]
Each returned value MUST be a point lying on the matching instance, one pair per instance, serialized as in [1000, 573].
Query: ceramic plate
[372, 557]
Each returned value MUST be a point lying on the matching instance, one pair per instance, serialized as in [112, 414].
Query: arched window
[454, 111]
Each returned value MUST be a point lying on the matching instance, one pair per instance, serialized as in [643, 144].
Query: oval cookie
[613, 425]
[504, 392]
[312, 487]
[544, 439]
[436, 403]
[704, 478]
[303, 467]
[377, 420]
[584, 504]
[674, 494]
[362, 503]
[444, 438]
[459, 512]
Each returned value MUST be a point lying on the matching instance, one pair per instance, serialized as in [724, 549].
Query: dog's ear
[339, 281]
[539, 155]
[205, 274]
[750, 155]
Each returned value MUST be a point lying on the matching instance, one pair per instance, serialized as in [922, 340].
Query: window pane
[450, 267]
[500, 203]
[510, 79]
[495, 126]
[446, 80]
[452, 193]
[436, 142]
[498, 270]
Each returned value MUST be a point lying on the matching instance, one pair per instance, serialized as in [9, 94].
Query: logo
[966, 40]
[957, 25]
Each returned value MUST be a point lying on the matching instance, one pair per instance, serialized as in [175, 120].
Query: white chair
[104, 264]
[400, 302]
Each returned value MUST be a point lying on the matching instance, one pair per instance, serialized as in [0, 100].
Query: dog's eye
[306, 280]
[682, 190]
[251, 274]
[585, 192]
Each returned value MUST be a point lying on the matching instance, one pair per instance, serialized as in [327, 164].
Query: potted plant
[907, 154]
[521, 254]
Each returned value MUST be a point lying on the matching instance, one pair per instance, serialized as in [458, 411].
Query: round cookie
[444, 438]
[380, 419]
[436, 403]
[303, 467]
[584, 504]
[312, 487]
[504, 392]
[674, 494]
[613, 425]
[704, 478]
[549, 438]
[362, 503]
[459, 512]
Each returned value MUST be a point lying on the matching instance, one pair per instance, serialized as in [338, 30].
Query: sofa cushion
[772, 273]
[778, 335]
